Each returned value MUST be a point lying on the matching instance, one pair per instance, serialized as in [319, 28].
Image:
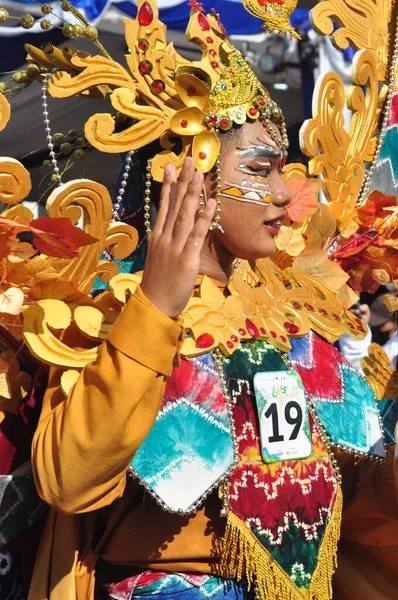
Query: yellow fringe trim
[244, 556]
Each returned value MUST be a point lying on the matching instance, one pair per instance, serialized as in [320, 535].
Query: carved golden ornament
[14, 383]
[91, 323]
[275, 15]
[38, 322]
[93, 71]
[379, 374]
[363, 25]
[51, 57]
[266, 304]
[83, 197]
[5, 112]
[339, 155]
[68, 380]
[15, 182]
[391, 302]
[167, 96]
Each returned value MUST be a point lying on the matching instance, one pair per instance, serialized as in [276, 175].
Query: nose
[281, 195]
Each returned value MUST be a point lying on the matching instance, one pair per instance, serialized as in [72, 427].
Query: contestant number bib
[283, 415]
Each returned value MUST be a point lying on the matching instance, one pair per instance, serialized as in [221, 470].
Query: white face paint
[256, 162]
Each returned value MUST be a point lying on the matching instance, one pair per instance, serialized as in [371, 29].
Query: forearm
[85, 442]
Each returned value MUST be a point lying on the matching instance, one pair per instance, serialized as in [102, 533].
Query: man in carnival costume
[193, 454]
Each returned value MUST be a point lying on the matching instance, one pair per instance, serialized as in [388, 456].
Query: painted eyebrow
[256, 151]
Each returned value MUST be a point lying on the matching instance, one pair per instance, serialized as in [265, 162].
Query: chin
[266, 251]
[254, 254]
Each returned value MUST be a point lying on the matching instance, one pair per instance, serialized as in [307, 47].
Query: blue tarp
[236, 20]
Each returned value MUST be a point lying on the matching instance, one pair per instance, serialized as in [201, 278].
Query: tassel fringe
[244, 556]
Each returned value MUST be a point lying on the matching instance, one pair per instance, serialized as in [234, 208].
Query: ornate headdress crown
[168, 96]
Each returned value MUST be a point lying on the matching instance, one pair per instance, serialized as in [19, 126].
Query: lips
[274, 226]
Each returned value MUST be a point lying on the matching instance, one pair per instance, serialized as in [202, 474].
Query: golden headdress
[169, 97]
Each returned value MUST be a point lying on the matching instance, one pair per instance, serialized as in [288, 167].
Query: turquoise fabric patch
[189, 448]
[354, 423]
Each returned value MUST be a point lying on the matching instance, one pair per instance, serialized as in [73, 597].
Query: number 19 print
[283, 416]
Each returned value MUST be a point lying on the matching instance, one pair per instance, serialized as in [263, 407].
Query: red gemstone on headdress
[261, 101]
[230, 345]
[184, 123]
[209, 40]
[252, 329]
[202, 155]
[309, 307]
[283, 339]
[145, 15]
[224, 123]
[203, 22]
[263, 2]
[272, 334]
[232, 73]
[142, 45]
[212, 52]
[214, 64]
[296, 304]
[262, 331]
[213, 120]
[205, 341]
[253, 112]
[191, 91]
[336, 317]
[242, 332]
[234, 338]
[323, 312]
[145, 67]
[158, 86]
[291, 328]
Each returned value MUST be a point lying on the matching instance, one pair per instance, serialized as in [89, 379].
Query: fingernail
[167, 169]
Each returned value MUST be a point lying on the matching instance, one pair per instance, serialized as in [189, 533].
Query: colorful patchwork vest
[283, 518]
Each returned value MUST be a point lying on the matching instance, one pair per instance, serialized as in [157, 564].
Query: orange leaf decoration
[305, 194]
[317, 264]
[11, 301]
[58, 237]
[373, 213]
[53, 237]
[290, 240]
[370, 256]
[381, 276]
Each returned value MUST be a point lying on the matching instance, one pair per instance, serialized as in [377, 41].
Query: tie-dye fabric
[287, 505]
[344, 402]
[189, 449]
[176, 586]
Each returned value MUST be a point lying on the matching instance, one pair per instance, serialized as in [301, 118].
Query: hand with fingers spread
[173, 259]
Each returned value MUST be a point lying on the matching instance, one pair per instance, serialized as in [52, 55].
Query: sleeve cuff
[146, 335]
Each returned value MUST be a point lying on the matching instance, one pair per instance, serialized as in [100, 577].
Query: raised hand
[173, 260]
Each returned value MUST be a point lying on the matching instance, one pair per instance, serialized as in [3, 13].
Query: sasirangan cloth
[177, 586]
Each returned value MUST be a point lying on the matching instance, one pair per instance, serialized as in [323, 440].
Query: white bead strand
[49, 138]
[123, 185]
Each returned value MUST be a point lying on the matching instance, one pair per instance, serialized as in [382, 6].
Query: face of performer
[253, 195]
